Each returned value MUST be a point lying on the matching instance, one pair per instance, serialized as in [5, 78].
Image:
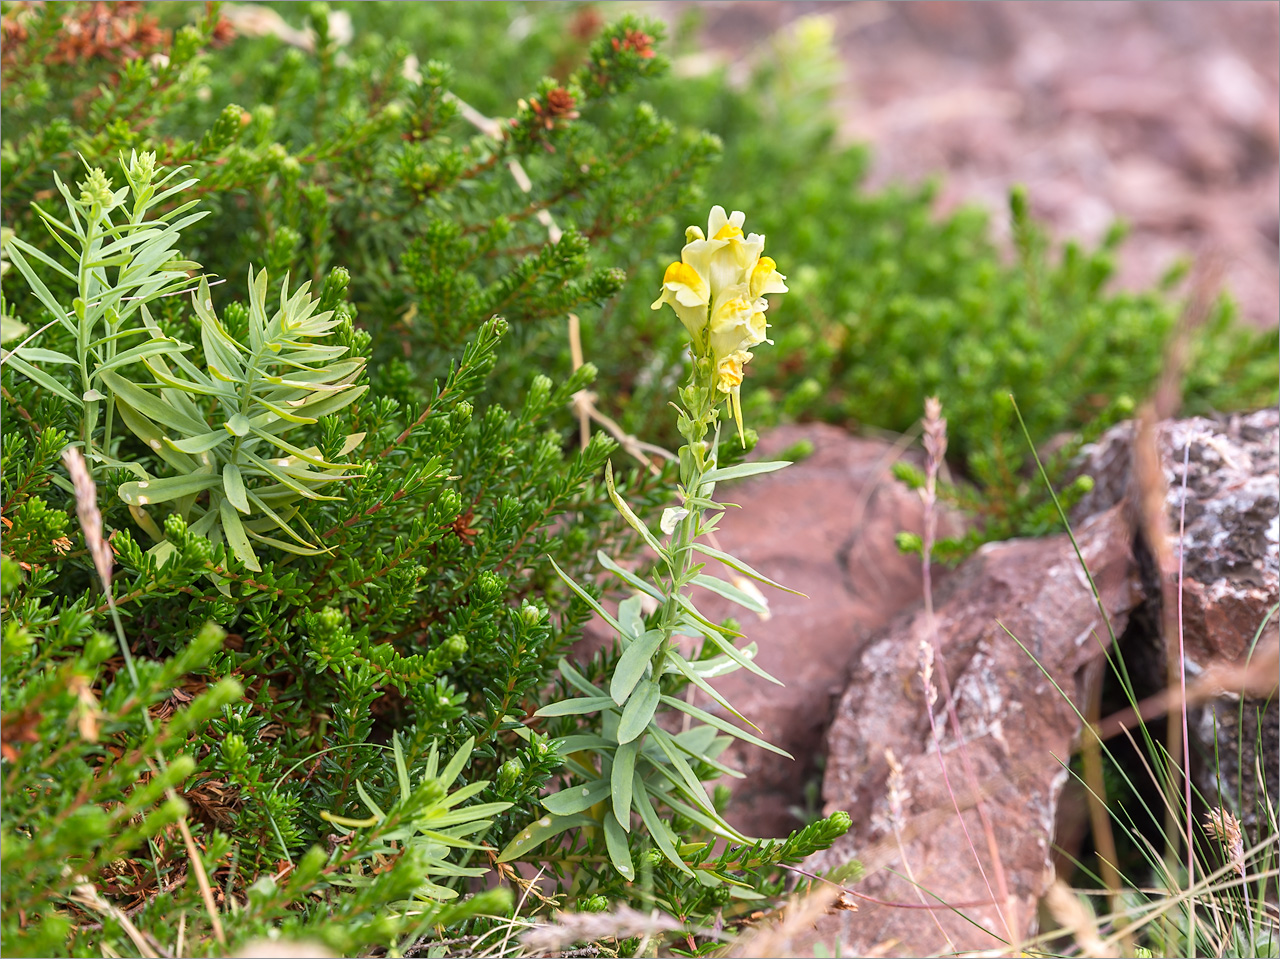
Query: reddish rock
[1017, 732]
[1232, 535]
[1017, 728]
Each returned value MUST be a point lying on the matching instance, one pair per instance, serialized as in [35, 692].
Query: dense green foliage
[339, 479]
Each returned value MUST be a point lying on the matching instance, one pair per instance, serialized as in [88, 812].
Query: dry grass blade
[570, 927]
[1066, 907]
[86, 895]
[87, 509]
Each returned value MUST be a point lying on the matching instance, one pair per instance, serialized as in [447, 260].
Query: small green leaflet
[615, 839]
[576, 707]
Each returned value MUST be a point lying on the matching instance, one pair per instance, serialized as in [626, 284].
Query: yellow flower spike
[718, 290]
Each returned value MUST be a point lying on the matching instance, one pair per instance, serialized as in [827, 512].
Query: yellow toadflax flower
[718, 290]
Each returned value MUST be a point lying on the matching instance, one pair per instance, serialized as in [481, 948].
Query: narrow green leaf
[628, 577]
[458, 761]
[586, 597]
[36, 354]
[723, 725]
[289, 478]
[233, 486]
[583, 743]
[693, 785]
[153, 407]
[145, 492]
[631, 617]
[237, 538]
[657, 828]
[15, 252]
[639, 710]
[576, 798]
[238, 425]
[41, 378]
[632, 664]
[536, 833]
[576, 707]
[620, 779]
[730, 592]
[615, 840]
[577, 680]
[200, 444]
[621, 505]
[743, 568]
[685, 668]
[368, 801]
[152, 348]
[724, 645]
[742, 470]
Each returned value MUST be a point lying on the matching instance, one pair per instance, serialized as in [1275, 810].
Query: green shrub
[378, 540]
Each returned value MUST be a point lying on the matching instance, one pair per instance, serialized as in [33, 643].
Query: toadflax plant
[631, 763]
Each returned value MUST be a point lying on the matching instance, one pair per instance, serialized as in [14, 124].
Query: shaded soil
[1163, 115]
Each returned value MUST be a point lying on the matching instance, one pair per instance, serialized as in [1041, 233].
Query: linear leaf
[657, 828]
[639, 710]
[576, 707]
[628, 515]
[586, 597]
[628, 577]
[696, 790]
[145, 492]
[133, 354]
[153, 407]
[632, 664]
[576, 798]
[41, 378]
[36, 354]
[724, 645]
[743, 568]
[577, 680]
[615, 840]
[536, 833]
[233, 486]
[685, 668]
[620, 779]
[730, 592]
[237, 538]
[723, 725]
[741, 470]
[15, 253]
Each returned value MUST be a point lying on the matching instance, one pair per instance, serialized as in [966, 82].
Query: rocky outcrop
[1015, 627]
[1019, 635]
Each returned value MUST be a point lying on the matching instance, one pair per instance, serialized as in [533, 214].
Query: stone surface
[1017, 731]
[1232, 535]
[1017, 728]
